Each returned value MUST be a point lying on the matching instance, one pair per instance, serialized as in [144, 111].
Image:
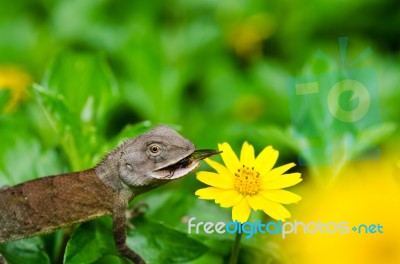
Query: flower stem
[235, 248]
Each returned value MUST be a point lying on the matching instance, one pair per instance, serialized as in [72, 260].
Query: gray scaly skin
[140, 164]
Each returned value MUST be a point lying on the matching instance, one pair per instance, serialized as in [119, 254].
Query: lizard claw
[138, 210]
[2, 188]
[2, 260]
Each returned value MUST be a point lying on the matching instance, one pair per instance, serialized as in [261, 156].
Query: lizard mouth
[183, 166]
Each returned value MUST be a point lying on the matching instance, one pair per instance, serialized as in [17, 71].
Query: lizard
[136, 166]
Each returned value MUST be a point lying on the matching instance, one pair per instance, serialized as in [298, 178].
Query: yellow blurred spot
[246, 37]
[249, 108]
[366, 193]
[398, 164]
[396, 172]
[17, 81]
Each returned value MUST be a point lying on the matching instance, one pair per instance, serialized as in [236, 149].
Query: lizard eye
[154, 148]
[155, 152]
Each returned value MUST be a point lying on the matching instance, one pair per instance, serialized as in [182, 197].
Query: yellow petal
[247, 155]
[282, 181]
[221, 170]
[241, 211]
[209, 193]
[229, 157]
[280, 196]
[274, 210]
[214, 179]
[277, 171]
[256, 201]
[228, 198]
[266, 160]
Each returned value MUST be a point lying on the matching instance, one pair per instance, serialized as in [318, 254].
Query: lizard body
[43, 205]
[140, 164]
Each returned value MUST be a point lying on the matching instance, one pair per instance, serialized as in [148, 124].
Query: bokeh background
[77, 77]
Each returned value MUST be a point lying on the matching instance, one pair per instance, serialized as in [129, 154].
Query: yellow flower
[17, 81]
[249, 183]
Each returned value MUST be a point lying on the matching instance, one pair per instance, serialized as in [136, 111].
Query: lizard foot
[138, 210]
[2, 260]
[2, 188]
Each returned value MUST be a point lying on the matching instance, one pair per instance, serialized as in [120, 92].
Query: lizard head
[158, 156]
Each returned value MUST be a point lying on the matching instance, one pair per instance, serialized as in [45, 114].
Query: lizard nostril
[129, 166]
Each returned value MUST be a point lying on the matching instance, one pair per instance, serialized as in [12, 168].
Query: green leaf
[5, 96]
[91, 241]
[265, 252]
[25, 251]
[79, 141]
[278, 136]
[112, 259]
[78, 94]
[185, 205]
[157, 243]
[56, 108]
[27, 149]
[209, 257]
[372, 136]
[86, 83]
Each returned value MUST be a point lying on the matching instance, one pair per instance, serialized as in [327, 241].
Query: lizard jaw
[184, 166]
[174, 174]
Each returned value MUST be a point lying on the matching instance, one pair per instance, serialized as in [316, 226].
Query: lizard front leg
[2, 188]
[2, 260]
[119, 230]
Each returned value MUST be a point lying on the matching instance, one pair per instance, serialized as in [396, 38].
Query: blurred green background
[77, 77]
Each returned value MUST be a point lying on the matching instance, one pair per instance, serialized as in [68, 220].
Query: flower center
[247, 180]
